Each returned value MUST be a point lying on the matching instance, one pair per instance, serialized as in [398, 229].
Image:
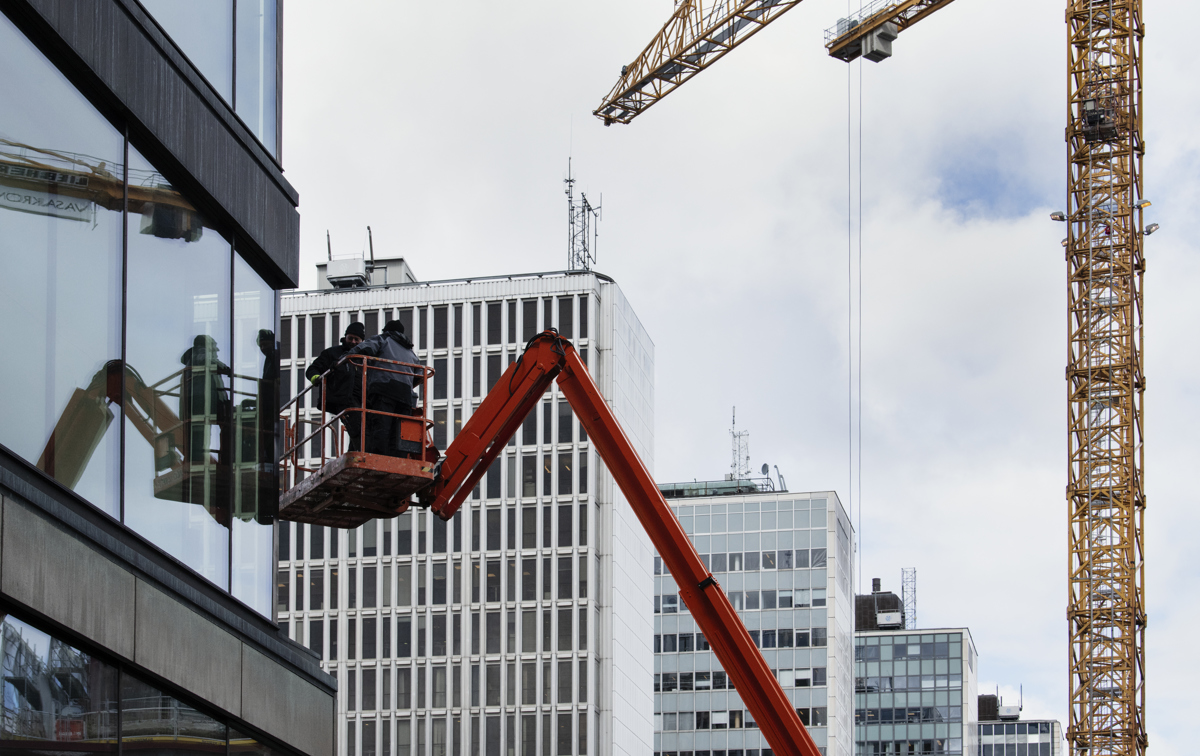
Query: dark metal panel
[114, 52]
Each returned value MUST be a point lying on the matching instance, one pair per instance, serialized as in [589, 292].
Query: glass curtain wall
[164, 384]
[61, 699]
[234, 44]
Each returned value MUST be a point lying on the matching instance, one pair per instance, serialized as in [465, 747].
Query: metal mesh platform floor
[354, 488]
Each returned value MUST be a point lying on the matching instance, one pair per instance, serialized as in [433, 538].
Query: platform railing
[329, 428]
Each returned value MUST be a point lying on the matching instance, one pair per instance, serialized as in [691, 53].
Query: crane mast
[1106, 612]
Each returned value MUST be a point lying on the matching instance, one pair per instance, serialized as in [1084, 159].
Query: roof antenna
[782, 483]
[328, 246]
[371, 245]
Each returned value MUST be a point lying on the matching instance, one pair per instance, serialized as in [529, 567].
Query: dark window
[423, 328]
[476, 377]
[316, 589]
[565, 436]
[405, 316]
[439, 583]
[439, 378]
[493, 482]
[493, 530]
[440, 327]
[476, 324]
[458, 326]
[547, 313]
[439, 535]
[801, 558]
[529, 527]
[512, 528]
[565, 577]
[493, 323]
[528, 319]
[564, 473]
[492, 637]
[371, 322]
[565, 623]
[493, 370]
[285, 532]
[318, 334]
[565, 319]
[368, 644]
[547, 477]
[493, 581]
[583, 318]
[301, 326]
[564, 524]
[512, 322]
[439, 635]
[285, 339]
[528, 579]
[547, 424]
[316, 543]
[458, 383]
[529, 431]
[369, 585]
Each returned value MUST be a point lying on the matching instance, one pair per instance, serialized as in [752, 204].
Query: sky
[447, 129]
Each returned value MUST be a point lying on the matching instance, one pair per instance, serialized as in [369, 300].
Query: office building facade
[523, 625]
[785, 560]
[915, 692]
[1041, 737]
[145, 230]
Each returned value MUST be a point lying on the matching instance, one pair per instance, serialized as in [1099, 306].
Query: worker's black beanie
[394, 325]
[356, 329]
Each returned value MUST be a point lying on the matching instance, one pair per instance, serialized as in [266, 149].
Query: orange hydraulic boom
[549, 357]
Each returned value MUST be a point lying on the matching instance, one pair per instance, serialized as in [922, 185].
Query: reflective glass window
[255, 415]
[61, 193]
[257, 83]
[153, 720]
[204, 32]
[53, 693]
[178, 480]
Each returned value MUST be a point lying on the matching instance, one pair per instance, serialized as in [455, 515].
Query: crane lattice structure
[1105, 381]
[908, 596]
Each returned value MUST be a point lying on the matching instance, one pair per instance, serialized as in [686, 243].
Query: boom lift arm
[549, 357]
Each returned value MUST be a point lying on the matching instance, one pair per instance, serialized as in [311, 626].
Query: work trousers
[383, 431]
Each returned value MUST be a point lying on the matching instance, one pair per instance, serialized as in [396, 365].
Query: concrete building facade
[785, 560]
[523, 625]
[145, 230]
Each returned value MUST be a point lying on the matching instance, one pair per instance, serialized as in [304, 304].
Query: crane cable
[854, 439]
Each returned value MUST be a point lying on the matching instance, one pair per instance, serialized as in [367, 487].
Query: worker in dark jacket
[343, 384]
[388, 390]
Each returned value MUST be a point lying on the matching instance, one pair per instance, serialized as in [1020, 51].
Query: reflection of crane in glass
[70, 185]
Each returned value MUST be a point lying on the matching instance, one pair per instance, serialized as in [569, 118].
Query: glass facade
[477, 636]
[1042, 738]
[60, 699]
[127, 309]
[914, 693]
[234, 44]
[770, 552]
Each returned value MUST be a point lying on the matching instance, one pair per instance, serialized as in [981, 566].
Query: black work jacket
[343, 386]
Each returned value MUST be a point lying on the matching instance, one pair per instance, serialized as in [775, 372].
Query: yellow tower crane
[1106, 610]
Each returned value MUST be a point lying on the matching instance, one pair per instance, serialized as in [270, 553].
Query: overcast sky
[447, 127]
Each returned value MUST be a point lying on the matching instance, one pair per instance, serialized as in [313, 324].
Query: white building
[523, 626]
[785, 560]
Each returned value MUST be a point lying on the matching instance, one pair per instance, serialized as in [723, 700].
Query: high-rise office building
[785, 560]
[523, 625]
[145, 229]
[915, 690]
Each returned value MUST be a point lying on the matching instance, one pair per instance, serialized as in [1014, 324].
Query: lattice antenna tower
[740, 468]
[583, 221]
[1106, 609]
[908, 594]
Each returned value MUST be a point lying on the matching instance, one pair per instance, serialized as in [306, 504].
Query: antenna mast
[740, 469]
[908, 594]
[580, 218]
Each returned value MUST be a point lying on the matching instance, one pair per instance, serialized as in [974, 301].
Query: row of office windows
[910, 714]
[906, 682]
[728, 752]
[753, 561]
[1016, 749]
[441, 634]
[148, 375]
[437, 583]
[667, 682]
[773, 516]
[798, 598]
[736, 719]
[941, 646]
[436, 536]
[784, 638]
[909, 747]
[455, 686]
[562, 733]
[448, 322]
